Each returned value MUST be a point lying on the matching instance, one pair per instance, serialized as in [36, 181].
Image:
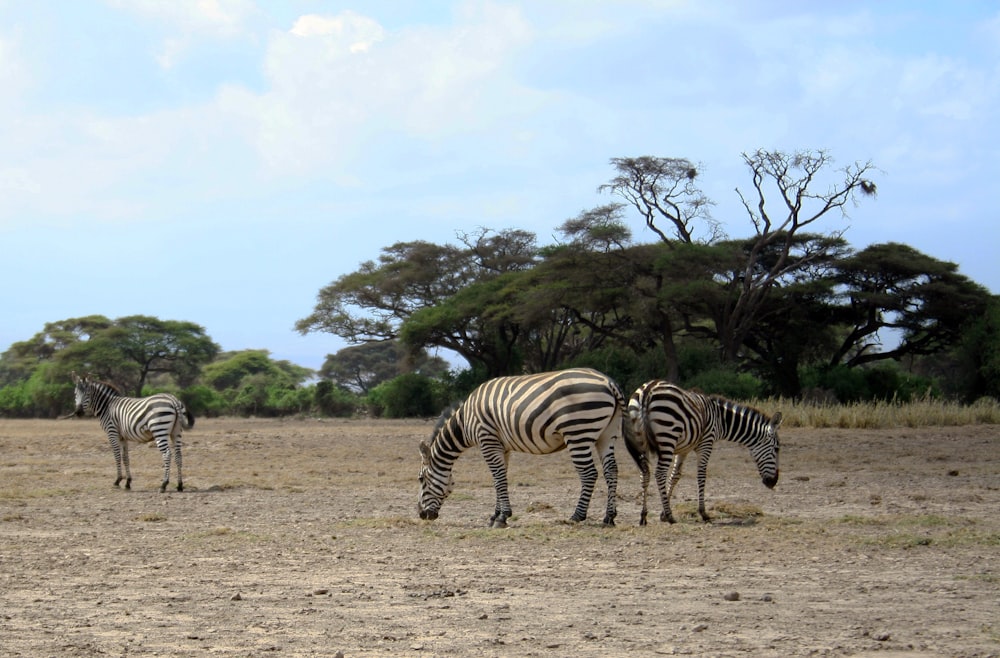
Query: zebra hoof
[180, 487]
[642, 517]
[499, 523]
[667, 517]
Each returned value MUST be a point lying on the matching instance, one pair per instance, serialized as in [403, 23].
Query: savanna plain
[301, 537]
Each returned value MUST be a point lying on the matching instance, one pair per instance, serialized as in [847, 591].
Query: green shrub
[332, 400]
[727, 383]
[204, 401]
[407, 396]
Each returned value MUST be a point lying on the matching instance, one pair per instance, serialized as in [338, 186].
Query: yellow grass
[882, 414]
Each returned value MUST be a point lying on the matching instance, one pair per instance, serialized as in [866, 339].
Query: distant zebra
[579, 409]
[669, 422]
[159, 418]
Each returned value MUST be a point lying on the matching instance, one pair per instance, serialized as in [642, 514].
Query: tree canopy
[790, 294]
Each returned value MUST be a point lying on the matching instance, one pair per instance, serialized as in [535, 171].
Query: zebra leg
[611, 479]
[164, 447]
[702, 474]
[496, 458]
[644, 483]
[116, 450]
[128, 469]
[668, 468]
[177, 460]
[582, 454]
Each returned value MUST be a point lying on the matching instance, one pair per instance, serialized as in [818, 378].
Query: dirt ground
[301, 537]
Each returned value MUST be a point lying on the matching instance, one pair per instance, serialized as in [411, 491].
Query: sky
[221, 161]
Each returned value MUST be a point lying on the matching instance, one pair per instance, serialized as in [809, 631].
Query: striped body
[160, 418]
[669, 422]
[580, 409]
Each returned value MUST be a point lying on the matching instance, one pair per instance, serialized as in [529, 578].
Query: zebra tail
[636, 445]
[190, 419]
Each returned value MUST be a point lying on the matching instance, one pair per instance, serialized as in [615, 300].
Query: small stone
[236, 597]
[882, 636]
[699, 628]
[732, 596]
[953, 473]
[767, 598]
[321, 591]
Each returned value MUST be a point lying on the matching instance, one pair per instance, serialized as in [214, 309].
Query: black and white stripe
[669, 422]
[160, 418]
[579, 409]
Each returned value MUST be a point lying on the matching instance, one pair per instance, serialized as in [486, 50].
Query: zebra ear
[425, 452]
[776, 420]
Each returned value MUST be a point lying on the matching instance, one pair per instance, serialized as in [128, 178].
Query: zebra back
[539, 413]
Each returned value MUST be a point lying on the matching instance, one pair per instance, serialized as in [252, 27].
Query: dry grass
[882, 414]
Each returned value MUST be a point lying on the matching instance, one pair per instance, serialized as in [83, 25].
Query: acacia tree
[22, 358]
[438, 294]
[663, 191]
[137, 346]
[894, 287]
[360, 368]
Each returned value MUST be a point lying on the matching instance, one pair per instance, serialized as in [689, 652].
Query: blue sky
[220, 161]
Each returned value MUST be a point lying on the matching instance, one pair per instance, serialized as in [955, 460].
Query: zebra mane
[114, 388]
[448, 412]
[738, 407]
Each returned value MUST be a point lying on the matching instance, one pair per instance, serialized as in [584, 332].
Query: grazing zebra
[579, 409]
[669, 422]
[159, 418]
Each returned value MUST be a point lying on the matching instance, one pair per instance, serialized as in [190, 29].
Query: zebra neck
[100, 399]
[733, 418]
[450, 442]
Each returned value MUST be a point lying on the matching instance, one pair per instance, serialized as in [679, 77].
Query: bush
[283, 400]
[847, 384]
[204, 401]
[727, 383]
[332, 400]
[407, 396]
[628, 368]
[14, 401]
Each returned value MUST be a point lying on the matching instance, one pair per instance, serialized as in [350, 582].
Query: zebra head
[435, 477]
[81, 395]
[435, 485]
[765, 451]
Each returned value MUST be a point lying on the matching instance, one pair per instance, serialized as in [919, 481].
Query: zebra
[580, 409]
[669, 422]
[160, 418]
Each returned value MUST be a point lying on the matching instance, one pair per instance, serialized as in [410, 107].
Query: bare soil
[301, 537]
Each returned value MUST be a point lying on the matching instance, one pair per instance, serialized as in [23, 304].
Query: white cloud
[219, 18]
[185, 20]
[358, 32]
[13, 76]
[337, 82]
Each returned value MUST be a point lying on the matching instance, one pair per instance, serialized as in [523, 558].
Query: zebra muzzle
[428, 514]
